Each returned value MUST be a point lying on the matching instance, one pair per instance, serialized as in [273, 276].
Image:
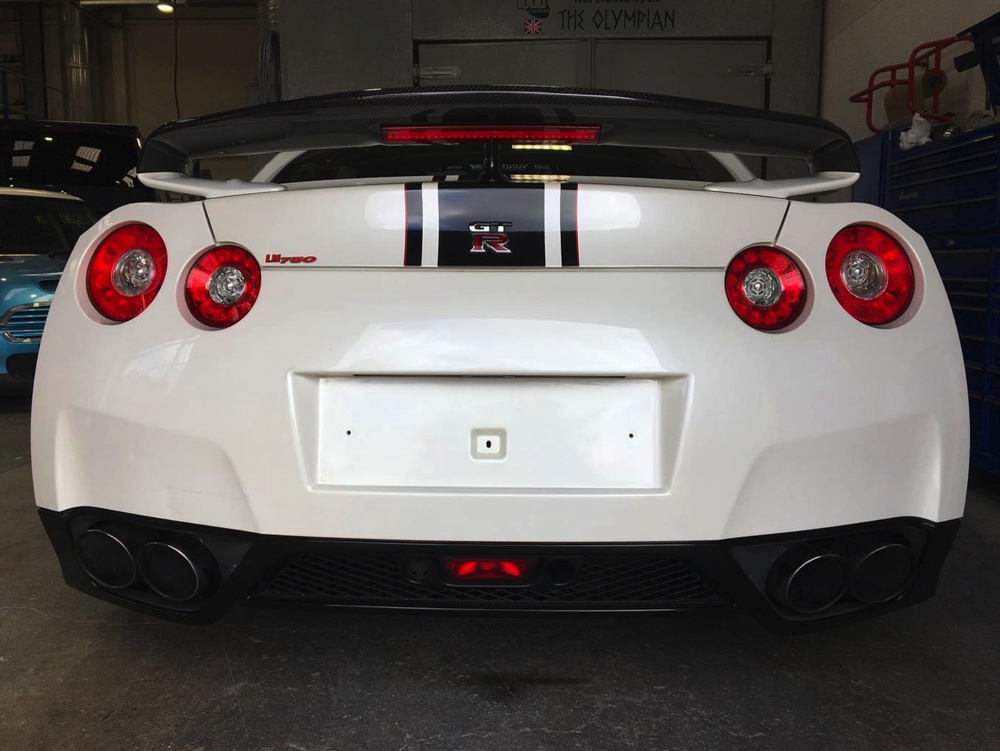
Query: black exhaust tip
[174, 571]
[808, 579]
[883, 573]
[105, 555]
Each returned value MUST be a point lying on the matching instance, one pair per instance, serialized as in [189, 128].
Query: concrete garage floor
[76, 673]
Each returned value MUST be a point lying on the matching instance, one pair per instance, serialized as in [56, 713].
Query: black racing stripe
[413, 243]
[569, 234]
[512, 219]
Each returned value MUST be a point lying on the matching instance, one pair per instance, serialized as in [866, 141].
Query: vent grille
[24, 323]
[602, 582]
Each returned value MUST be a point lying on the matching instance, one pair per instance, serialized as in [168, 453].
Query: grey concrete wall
[505, 19]
[218, 59]
[796, 53]
[332, 45]
[135, 54]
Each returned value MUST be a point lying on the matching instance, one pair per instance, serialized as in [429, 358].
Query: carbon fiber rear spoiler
[356, 119]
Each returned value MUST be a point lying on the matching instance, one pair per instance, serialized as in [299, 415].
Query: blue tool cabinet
[948, 191]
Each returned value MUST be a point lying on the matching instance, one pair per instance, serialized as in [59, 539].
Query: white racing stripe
[553, 247]
[431, 225]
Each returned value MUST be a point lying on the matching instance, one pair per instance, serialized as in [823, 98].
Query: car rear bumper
[750, 573]
[631, 404]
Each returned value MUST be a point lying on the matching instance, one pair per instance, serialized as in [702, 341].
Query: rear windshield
[68, 157]
[49, 226]
[517, 161]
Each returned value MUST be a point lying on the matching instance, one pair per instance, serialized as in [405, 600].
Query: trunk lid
[458, 224]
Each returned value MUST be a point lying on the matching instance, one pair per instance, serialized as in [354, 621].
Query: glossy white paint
[821, 182]
[175, 182]
[30, 193]
[744, 183]
[624, 226]
[594, 433]
[274, 165]
[352, 226]
[736, 166]
[832, 422]
[619, 226]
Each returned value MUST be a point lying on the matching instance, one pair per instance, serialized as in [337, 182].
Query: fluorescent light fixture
[542, 146]
[539, 178]
[148, 3]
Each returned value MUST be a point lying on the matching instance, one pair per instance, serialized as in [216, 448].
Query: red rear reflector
[521, 134]
[488, 569]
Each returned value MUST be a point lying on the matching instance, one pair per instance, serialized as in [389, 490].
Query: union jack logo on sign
[532, 26]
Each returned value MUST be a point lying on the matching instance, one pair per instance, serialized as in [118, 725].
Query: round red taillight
[765, 288]
[222, 286]
[870, 274]
[126, 271]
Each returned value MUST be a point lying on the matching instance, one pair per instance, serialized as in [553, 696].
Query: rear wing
[357, 119]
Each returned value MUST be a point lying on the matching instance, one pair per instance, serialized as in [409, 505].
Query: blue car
[38, 230]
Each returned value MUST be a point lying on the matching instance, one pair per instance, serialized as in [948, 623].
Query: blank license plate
[490, 433]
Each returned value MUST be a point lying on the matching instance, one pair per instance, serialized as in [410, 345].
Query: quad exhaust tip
[883, 574]
[105, 555]
[872, 569]
[808, 579]
[116, 557]
[172, 572]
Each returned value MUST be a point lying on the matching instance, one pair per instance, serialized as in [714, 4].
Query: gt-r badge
[489, 236]
[278, 258]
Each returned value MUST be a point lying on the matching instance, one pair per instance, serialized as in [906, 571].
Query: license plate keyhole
[489, 443]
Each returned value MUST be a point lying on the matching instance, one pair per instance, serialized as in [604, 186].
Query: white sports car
[502, 348]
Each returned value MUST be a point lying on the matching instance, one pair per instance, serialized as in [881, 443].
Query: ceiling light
[165, 7]
[48, 138]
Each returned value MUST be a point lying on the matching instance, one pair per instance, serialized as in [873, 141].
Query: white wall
[862, 35]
